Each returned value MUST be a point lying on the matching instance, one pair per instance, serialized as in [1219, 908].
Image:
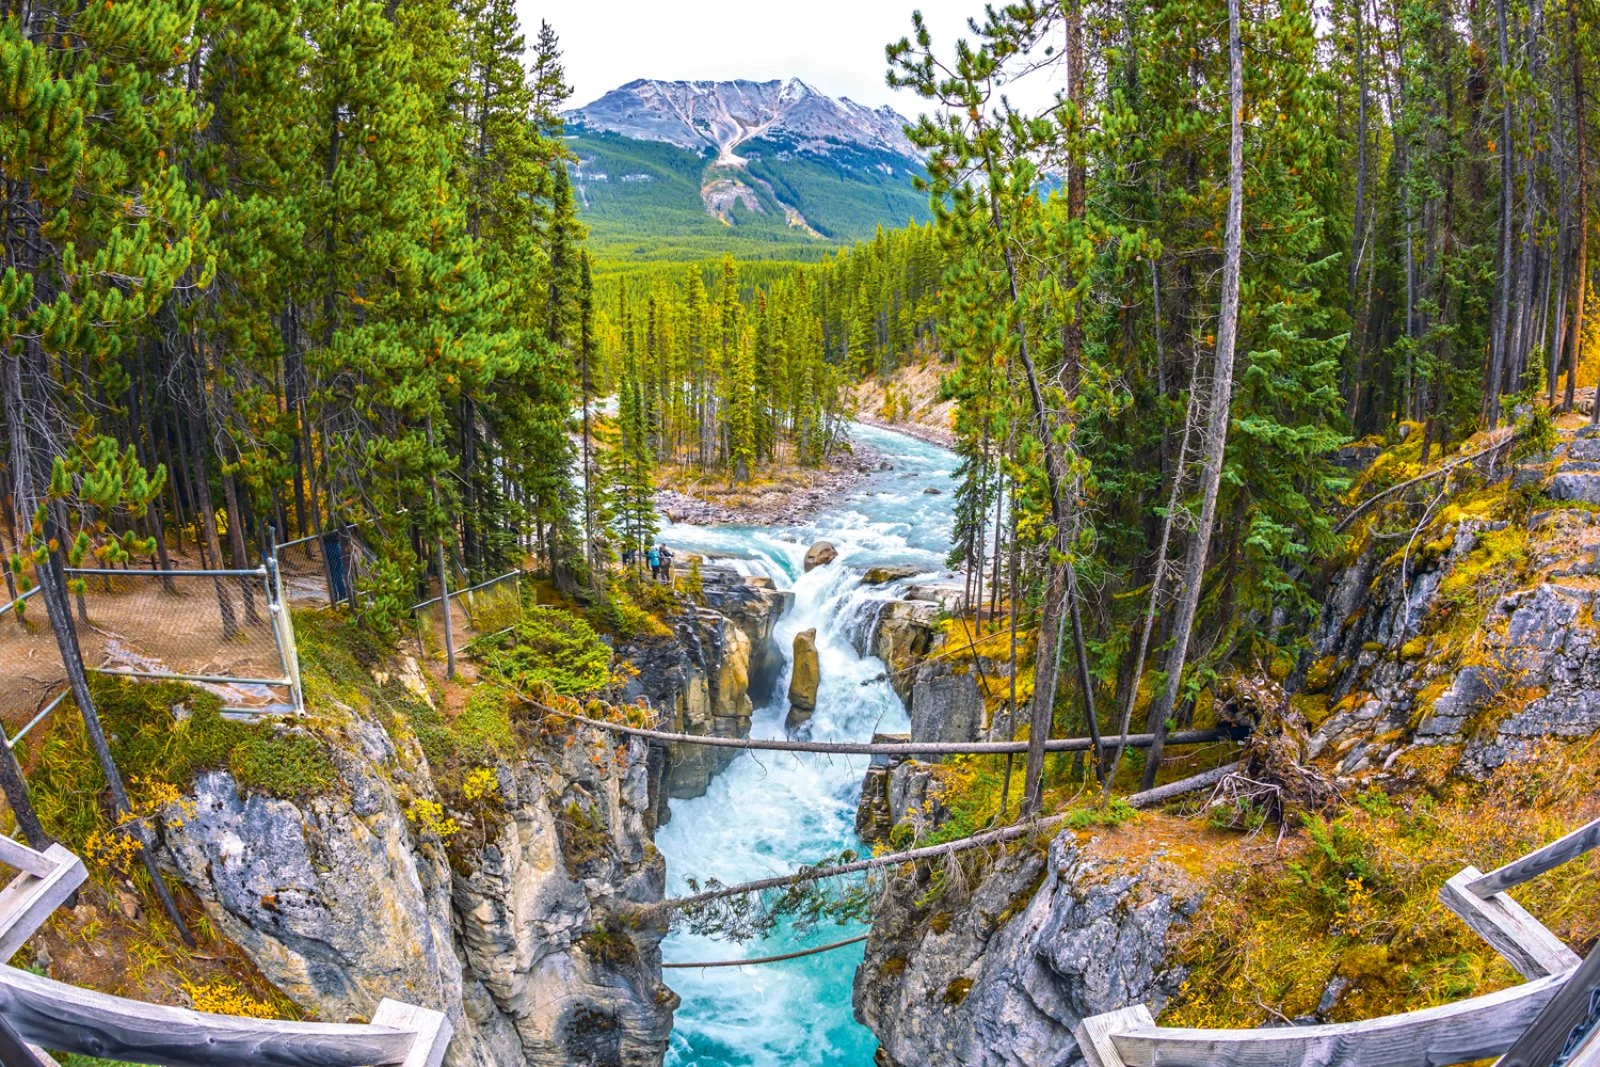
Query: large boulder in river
[885, 575]
[804, 678]
[821, 554]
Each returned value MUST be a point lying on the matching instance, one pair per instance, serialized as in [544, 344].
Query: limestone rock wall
[998, 975]
[706, 677]
[938, 683]
[343, 899]
[1476, 639]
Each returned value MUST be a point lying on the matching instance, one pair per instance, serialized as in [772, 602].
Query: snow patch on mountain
[700, 115]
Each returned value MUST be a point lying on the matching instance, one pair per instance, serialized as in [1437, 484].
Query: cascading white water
[770, 813]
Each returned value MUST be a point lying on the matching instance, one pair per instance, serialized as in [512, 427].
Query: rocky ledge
[935, 676]
[501, 916]
[998, 974]
[706, 677]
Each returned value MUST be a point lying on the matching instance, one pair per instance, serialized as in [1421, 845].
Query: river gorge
[769, 813]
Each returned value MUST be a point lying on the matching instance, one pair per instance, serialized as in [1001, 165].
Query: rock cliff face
[940, 690]
[1474, 641]
[355, 895]
[998, 975]
[705, 678]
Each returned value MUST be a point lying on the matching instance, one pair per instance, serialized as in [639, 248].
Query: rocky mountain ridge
[696, 169]
[722, 115]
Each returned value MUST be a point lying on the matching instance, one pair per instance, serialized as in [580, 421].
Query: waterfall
[769, 813]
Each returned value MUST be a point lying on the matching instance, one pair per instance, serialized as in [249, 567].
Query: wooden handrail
[15, 1052]
[16, 854]
[1451, 1033]
[66, 1017]
[46, 881]
[1570, 1015]
[896, 748]
[1522, 940]
[1537, 862]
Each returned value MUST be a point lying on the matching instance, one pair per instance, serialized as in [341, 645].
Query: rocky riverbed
[792, 499]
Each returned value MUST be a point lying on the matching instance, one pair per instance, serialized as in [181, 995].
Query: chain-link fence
[30, 662]
[323, 568]
[482, 610]
[227, 631]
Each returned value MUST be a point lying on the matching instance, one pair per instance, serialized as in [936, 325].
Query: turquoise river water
[769, 813]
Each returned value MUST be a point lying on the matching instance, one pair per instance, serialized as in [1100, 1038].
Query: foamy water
[769, 813]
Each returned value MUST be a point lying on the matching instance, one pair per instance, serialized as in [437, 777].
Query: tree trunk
[1580, 276]
[1502, 311]
[208, 516]
[230, 494]
[1215, 442]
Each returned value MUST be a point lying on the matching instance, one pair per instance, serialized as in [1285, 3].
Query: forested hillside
[292, 265]
[1364, 220]
[775, 169]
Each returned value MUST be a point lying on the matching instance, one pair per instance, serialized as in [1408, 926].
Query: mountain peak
[722, 115]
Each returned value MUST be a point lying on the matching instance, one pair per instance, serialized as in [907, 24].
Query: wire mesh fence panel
[324, 568]
[475, 612]
[216, 629]
[304, 570]
[30, 663]
[495, 605]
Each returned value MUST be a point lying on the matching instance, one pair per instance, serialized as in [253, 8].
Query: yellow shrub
[428, 817]
[220, 997]
[480, 784]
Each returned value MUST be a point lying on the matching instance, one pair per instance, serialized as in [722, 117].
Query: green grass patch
[549, 647]
[161, 734]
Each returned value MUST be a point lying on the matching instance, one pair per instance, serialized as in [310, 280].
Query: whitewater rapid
[769, 813]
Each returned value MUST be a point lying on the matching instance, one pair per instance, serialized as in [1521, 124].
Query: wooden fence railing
[38, 1013]
[1552, 1020]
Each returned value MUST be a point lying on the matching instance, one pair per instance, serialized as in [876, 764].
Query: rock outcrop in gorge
[999, 974]
[705, 677]
[502, 910]
[933, 673]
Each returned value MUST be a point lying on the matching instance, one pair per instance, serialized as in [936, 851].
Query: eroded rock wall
[705, 678]
[507, 923]
[999, 974]
[1472, 641]
[937, 681]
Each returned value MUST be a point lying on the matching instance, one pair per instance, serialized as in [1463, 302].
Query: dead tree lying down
[902, 748]
[1147, 799]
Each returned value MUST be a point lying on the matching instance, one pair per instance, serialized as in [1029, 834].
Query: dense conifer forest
[303, 267]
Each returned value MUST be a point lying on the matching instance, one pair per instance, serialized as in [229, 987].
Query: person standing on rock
[666, 562]
[653, 557]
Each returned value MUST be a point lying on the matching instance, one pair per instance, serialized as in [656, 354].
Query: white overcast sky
[836, 46]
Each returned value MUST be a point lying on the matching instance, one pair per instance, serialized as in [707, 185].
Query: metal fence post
[444, 601]
[283, 626]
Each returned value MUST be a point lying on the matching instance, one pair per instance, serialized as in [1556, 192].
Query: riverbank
[909, 401]
[781, 496]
